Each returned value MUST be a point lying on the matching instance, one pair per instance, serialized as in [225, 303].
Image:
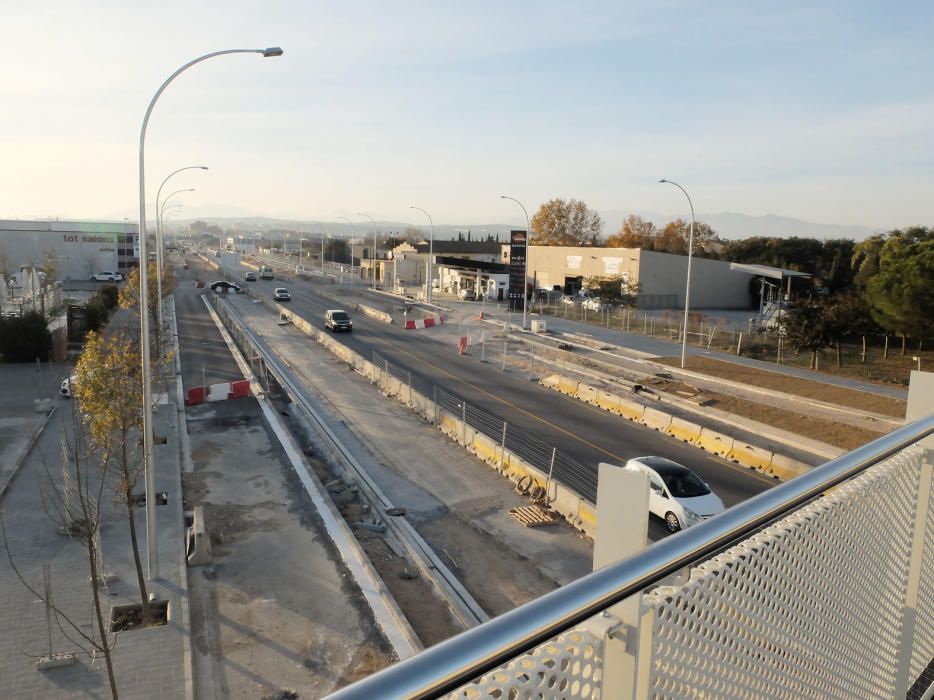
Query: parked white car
[107, 277]
[592, 304]
[676, 494]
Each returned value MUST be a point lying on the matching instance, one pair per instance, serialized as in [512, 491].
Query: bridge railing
[820, 587]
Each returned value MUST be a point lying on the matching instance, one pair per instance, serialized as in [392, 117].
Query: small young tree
[615, 290]
[129, 299]
[110, 395]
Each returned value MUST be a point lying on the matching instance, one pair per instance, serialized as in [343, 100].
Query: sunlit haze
[819, 111]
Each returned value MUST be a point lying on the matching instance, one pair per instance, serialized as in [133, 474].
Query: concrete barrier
[240, 389]
[198, 546]
[567, 386]
[655, 419]
[550, 382]
[750, 456]
[717, 443]
[218, 392]
[785, 468]
[608, 402]
[684, 430]
[630, 409]
[374, 313]
[196, 395]
[586, 393]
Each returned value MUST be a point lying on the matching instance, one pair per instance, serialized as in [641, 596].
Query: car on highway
[281, 294]
[467, 294]
[107, 277]
[225, 287]
[676, 494]
[249, 277]
[337, 320]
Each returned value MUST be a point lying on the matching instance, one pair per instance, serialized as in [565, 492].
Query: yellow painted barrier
[630, 409]
[717, 443]
[658, 420]
[607, 401]
[749, 456]
[586, 393]
[684, 430]
[785, 468]
[566, 386]
[550, 382]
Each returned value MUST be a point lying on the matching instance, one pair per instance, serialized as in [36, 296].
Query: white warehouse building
[75, 249]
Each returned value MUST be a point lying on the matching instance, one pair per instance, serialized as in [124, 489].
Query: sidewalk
[149, 663]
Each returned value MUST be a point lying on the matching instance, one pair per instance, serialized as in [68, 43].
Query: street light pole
[160, 245]
[528, 235]
[373, 266]
[159, 251]
[687, 290]
[352, 235]
[151, 545]
[431, 253]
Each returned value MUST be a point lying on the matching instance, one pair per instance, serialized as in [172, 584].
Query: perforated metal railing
[820, 587]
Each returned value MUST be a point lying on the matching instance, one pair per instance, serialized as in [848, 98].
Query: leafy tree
[109, 392]
[565, 222]
[129, 299]
[615, 290]
[806, 327]
[845, 316]
[25, 338]
[900, 293]
[635, 232]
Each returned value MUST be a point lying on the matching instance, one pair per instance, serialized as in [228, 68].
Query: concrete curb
[22, 458]
[184, 461]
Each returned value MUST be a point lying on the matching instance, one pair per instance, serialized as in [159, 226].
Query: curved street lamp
[528, 235]
[687, 290]
[152, 551]
[431, 253]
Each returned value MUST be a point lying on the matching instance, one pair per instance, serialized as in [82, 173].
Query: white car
[676, 494]
[592, 304]
[107, 277]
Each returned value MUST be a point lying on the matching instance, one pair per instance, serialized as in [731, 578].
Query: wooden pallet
[533, 516]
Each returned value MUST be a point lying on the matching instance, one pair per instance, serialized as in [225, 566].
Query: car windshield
[340, 316]
[685, 485]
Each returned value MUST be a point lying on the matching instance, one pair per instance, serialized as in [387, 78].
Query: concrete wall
[79, 248]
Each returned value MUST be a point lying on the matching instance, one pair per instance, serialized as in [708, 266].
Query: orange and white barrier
[430, 322]
[218, 392]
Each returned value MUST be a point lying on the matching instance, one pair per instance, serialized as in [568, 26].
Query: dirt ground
[807, 388]
[838, 434]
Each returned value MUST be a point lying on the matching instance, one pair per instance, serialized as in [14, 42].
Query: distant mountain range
[731, 226]
[728, 225]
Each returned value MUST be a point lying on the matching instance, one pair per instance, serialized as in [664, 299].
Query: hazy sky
[821, 111]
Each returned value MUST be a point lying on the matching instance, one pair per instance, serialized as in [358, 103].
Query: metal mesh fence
[534, 451]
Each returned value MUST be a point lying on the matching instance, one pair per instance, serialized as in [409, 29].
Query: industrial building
[660, 276]
[74, 249]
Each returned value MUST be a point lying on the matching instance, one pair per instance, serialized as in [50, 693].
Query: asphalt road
[587, 434]
[205, 358]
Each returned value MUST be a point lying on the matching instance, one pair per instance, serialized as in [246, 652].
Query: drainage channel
[462, 605]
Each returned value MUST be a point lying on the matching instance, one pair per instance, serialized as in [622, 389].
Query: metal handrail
[461, 659]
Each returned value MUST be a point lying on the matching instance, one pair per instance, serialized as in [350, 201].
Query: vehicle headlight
[691, 515]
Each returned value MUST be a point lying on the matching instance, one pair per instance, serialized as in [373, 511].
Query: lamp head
[663, 180]
[272, 51]
[203, 167]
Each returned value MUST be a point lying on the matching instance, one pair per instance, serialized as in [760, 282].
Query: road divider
[733, 449]
[374, 313]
